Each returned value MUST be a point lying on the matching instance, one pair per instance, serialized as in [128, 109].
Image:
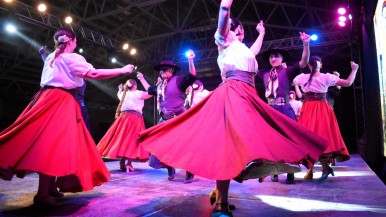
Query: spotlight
[342, 24]
[350, 17]
[80, 50]
[187, 53]
[42, 7]
[341, 11]
[314, 37]
[125, 46]
[8, 1]
[10, 28]
[133, 51]
[68, 20]
[342, 18]
[113, 60]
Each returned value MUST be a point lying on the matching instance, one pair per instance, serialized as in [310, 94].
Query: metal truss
[291, 43]
[31, 15]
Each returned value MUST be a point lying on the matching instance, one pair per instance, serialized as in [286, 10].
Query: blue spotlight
[314, 37]
[187, 53]
[10, 28]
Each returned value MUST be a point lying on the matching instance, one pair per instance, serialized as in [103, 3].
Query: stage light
[341, 11]
[350, 17]
[187, 53]
[342, 18]
[314, 37]
[10, 28]
[42, 7]
[342, 24]
[113, 60]
[80, 50]
[8, 1]
[68, 20]
[125, 46]
[133, 51]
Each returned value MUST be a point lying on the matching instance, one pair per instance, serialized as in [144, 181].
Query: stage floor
[355, 190]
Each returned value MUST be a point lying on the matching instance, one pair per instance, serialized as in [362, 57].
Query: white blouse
[319, 84]
[132, 101]
[67, 70]
[234, 55]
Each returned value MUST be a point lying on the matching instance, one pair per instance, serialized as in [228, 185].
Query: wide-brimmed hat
[267, 53]
[166, 63]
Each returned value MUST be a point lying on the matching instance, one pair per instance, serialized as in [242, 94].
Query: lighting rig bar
[31, 15]
[285, 44]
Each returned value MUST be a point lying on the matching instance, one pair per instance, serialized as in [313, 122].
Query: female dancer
[50, 136]
[318, 116]
[232, 126]
[121, 138]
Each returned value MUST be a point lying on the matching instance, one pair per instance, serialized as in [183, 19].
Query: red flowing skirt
[231, 127]
[50, 137]
[121, 140]
[319, 117]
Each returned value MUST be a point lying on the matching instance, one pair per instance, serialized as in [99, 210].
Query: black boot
[290, 178]
[171, 172]
[274, 178]
[188, 178]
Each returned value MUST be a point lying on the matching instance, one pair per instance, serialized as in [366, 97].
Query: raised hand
[43, 50]
[304, 37]
[354, 66]
[139, 75]
[120, 87]
[128, 69]
[260, 27]
[191, 55]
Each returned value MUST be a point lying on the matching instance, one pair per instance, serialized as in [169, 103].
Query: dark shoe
[171, 173]
[56, 194]
[189, 177]
[309, 175]
[275, 178]
[122, 165]
[46, 201]
[212, 199]
[325, 174]
[290, 179]
[222, 210]
[261, 179]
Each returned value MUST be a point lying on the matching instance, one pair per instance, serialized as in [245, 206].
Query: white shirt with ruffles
[132, 101]
[67, 70]
[234, 56]
[319, 84]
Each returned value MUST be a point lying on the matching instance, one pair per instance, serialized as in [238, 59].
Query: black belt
[311, 96]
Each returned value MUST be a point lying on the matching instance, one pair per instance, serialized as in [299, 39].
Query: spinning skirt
[227, 130]
[318, 117]
[121, 140]
[50, 137]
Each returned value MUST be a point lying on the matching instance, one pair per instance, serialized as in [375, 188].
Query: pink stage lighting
[341, 11]
[342, 23]
[342, 18]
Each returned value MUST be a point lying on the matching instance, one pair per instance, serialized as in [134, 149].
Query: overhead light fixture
[42, 7]
[68, 20]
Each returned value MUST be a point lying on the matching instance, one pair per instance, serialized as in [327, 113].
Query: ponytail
[313, 63]
[61, 39]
